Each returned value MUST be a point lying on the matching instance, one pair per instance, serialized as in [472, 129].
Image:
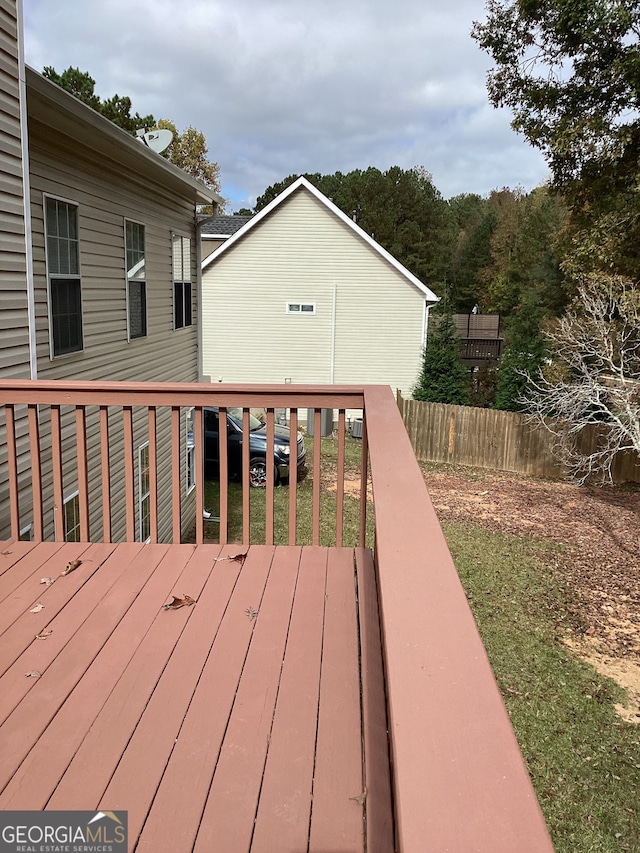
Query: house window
[144, 493]
[72, 518]
[301, 308]
[136, 281]
[26, 534]
[63, 276]
[182, 309]
[190, 451]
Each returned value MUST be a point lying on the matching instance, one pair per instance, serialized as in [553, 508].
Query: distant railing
[480, 349]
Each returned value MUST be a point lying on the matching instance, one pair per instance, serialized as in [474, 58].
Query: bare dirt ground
[599, 529]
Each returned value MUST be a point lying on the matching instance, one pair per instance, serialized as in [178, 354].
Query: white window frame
[182, 277]
[53, 276]
[130, 278]
[301, 309]
[144, 498]
[26, 533]
[190, 450]
[72, 498]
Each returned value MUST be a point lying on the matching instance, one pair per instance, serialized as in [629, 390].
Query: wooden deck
[253, 720]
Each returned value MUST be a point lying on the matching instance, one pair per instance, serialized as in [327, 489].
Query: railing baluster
[223, 434]
[317, 456]
[14, 501]
[293, 476]
[198, 442]
[36, 472]
[175, 473]
[270, 495]
[129, 479]
[152, 427]
[340, 476]
[56, 462]
[364, 478]
[246, 494]
[83, 478]
[105, 470]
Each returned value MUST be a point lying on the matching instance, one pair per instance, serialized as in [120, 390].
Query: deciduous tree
[594, 378]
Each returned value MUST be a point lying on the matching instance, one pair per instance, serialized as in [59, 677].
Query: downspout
[199, 343]
[26, 198]
[332, 368]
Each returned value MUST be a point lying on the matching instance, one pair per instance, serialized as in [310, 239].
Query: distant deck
[253, 720]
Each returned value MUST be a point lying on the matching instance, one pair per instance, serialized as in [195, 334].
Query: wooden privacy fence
[486, 438]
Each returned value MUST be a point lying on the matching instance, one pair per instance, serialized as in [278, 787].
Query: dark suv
[257, 447]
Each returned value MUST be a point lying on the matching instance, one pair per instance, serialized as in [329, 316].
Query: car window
[210, 421]
[235, 413]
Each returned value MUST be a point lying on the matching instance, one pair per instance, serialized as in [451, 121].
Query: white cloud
[285, 87]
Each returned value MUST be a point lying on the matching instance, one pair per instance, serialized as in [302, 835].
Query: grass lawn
[351, 514]
[583, 759]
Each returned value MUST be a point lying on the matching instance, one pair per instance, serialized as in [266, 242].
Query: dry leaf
[235, 558]
[37, 608]
[44, 634]
[6, 552]
[33, 674]
[48, 581]
[361, 799]
[73, 565]
[186, 601]
[251, 613]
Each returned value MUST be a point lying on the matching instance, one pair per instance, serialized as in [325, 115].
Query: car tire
[258, 473]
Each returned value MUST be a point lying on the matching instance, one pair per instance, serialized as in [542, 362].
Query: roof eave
[64, 113]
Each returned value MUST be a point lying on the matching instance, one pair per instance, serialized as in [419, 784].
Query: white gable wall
[369, 318]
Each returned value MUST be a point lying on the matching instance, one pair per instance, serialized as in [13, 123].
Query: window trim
[180, 283]
[144, 498]
[298, 308]
[51, 277]
[190, 451]
[74, 496]
[142, 281]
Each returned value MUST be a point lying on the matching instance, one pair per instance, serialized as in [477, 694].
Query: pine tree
[443, 378]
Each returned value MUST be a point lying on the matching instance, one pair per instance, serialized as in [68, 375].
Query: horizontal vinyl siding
[14, 320]
[300, 253]
[104, 201]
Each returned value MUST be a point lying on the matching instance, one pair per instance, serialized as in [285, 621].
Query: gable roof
[61, 112]
[222, 226]
[302, 184]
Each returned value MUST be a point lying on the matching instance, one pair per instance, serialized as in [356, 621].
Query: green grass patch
[583, 759]
[304, 513]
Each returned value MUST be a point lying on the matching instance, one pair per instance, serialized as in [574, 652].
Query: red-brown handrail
[460, 783]
[123, 403]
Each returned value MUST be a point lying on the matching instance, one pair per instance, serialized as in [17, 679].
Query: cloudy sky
[291, 86]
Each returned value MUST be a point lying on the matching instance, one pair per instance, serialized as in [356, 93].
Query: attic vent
[301, 308]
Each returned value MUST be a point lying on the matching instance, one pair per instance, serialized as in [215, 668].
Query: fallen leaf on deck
[33, 674]
[187, 601]
[44, 634]
[235, 558]
[37, 608]
[251, 613]
[361, 799]
[73, 565]
[7, 552]
[48, 581]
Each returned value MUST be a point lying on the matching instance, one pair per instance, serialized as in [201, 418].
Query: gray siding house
[100, 266]
[300, 293]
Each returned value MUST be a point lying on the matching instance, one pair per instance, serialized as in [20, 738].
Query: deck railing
[459, 781]
[106, 422]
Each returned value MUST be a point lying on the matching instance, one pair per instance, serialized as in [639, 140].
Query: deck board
[234, 724]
